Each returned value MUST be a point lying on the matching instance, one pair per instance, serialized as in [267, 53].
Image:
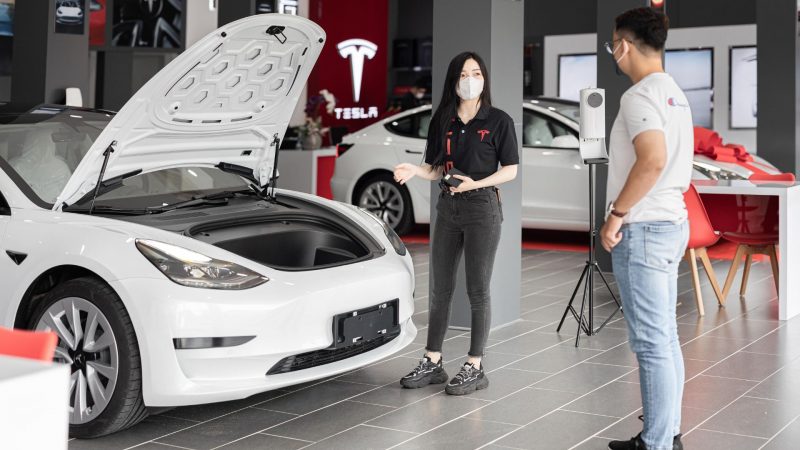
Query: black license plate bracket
[364, 325]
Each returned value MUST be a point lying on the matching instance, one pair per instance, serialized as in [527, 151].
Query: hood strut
[106, 154]
[276, 141]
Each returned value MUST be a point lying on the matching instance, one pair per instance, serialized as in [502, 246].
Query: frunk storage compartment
[296, 243]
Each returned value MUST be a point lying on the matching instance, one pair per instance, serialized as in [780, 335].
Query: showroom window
[415, 125]
[540, 131]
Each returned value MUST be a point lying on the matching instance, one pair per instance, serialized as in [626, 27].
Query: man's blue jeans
[646, 269]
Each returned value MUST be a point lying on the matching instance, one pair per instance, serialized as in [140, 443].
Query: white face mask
[419, 95]
[470, 88]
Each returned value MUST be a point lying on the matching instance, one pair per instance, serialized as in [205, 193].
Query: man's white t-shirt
[654, 103]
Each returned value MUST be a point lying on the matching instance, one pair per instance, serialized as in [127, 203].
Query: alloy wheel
[86, 342]
[384, 200]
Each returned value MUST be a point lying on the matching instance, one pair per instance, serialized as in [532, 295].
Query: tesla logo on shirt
[357, 50]
[483, 133]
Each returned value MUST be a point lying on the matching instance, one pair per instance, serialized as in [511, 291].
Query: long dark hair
[448, 104]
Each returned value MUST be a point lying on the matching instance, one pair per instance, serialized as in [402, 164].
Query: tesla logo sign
[357, 50]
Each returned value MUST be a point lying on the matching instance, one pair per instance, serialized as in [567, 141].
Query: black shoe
[636, 443]
[468, 380]
[424, 374]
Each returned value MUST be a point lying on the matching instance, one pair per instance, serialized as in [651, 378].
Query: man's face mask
[470, 88]
[419, 95]
[611, 49]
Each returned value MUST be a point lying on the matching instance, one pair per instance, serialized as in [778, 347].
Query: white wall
[719, 38]
[299, 115]
[200, 20]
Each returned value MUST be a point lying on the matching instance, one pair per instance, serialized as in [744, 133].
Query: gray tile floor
[742, 389]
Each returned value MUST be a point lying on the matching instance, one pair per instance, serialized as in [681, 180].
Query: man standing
[646, 231]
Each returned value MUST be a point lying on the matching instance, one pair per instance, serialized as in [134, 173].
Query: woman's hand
[404, 172]
[467, 184]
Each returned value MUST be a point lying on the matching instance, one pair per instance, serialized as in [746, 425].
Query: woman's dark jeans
[466, 223]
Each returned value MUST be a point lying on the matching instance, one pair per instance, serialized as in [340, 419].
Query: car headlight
[394, 239]
[193, 269]
[716, 173]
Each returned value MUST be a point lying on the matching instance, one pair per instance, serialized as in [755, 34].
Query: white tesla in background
[555, 181]
[189, 279]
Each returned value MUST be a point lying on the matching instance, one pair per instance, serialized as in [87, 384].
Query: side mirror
[565, 141]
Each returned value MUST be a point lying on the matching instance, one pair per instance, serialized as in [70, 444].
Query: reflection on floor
[741, 391]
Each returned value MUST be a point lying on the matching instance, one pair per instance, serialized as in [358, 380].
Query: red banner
[353, 63]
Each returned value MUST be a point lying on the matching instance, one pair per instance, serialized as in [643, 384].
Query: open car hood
[228, 98]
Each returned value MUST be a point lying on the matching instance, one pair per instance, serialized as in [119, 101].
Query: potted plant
[311, 131]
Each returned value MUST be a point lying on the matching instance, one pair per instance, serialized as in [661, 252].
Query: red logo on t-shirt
[483, 133]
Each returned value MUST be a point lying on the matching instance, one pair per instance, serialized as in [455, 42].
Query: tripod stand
[587, 276]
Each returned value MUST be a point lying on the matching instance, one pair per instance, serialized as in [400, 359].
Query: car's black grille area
[322, 357]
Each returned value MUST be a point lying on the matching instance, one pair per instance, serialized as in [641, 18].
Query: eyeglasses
[610, 45]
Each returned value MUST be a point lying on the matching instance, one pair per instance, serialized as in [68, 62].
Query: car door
[409, 134]
[6, 264]
[555, 181]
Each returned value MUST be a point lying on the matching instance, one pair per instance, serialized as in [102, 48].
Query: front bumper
[290, 315]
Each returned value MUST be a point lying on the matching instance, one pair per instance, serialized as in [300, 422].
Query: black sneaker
[469, 379]
[636, 443]
[424, 374]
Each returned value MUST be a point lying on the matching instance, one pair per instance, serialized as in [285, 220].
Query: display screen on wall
[693, 70]
[69, 16]
[744, 87]
[150, 23]
[576, 72]
[97, 23]
[6, 36]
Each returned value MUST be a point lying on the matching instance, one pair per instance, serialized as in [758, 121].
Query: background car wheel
[96, 338]
[382, 196]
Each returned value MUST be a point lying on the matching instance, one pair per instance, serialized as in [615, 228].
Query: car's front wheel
[97, 340]
[386, 199]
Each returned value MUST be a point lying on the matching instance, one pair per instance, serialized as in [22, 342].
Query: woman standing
[469, 135]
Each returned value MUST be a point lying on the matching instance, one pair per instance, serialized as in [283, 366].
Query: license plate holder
[364, 325]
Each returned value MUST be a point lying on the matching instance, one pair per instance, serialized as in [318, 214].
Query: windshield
[169, 186]
[41, 148]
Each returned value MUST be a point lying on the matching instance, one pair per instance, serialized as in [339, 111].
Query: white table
[34, 399]
[789, 233]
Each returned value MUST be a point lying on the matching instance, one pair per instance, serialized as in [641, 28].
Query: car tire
[379, 193]
[105, 329]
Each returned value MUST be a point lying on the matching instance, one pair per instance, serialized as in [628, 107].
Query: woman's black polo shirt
[477, 147]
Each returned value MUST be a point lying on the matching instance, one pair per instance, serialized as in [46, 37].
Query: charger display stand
[593, 152]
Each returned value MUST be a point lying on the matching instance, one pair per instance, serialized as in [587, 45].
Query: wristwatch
[612, 210]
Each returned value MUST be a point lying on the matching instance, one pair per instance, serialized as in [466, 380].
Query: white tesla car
[555, 182]
[183, 276]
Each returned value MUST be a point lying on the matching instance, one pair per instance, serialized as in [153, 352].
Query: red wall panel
[344, 20]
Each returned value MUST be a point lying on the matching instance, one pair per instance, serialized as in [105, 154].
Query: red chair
[757, 234]
[701, 236]
[28, 344]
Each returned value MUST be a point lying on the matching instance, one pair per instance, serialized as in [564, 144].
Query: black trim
[5, 210]
[210, 342]
[17, 257]
[323, 357]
